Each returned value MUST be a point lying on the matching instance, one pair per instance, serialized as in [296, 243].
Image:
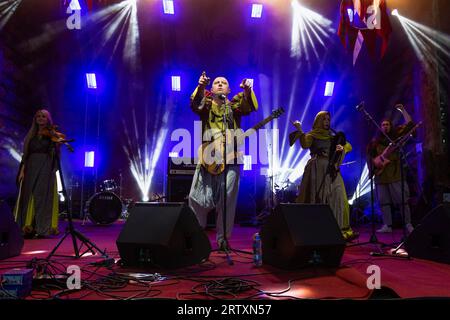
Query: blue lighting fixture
[176, 83]
[329, 88]
[257, 10]
[91, 80]
[89, 159]
[168, 7]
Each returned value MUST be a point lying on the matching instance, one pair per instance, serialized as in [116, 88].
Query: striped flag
[362, 24]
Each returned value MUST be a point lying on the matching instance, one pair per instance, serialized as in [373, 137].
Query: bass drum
[104, 208]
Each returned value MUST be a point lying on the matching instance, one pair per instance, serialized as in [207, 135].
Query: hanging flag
[89, 4]
[362, 23]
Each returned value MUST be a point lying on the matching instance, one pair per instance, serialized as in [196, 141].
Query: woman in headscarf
[322, 181]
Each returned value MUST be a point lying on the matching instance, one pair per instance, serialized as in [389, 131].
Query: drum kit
[107, 206]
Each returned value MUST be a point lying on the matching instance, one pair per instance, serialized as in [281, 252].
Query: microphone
[360, 106]
[222, 97]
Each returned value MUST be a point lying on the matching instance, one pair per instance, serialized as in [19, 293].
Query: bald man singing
[218, 114]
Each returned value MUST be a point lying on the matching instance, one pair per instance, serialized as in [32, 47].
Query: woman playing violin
[36, 209]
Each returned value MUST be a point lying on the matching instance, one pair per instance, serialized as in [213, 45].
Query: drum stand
[71, 231]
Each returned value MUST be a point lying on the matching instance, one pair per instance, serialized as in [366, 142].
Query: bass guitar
[381, 161]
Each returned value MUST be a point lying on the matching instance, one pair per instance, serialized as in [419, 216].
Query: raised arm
[306, 140]
[405, 113]
[198, 96]
[245, 102]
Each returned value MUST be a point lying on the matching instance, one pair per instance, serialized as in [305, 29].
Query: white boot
[384, 229]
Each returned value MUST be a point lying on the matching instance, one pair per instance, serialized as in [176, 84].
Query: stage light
[395, 13]
[14, 153]
[329, 89]
[168, 7]
[142, 157]
[118, 28]
[257, 10]
[7, 9]
[89, 159]
[363, 186]
[247, 163]
[176, 83]
[309, 32]
[91, 80]
[430, 46]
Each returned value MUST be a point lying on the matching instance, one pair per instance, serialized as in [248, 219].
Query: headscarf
[318, 131]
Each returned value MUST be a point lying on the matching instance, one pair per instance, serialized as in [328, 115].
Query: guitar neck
[400, 141]
[259, 125]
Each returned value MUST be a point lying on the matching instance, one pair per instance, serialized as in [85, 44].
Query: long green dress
[37, 205]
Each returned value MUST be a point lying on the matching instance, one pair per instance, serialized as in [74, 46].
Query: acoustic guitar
[210, 154]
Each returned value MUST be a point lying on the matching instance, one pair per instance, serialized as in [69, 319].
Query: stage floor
[407, 278]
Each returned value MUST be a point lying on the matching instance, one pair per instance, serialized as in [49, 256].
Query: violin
[56, 136]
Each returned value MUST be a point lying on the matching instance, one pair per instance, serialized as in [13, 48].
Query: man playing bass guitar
[385, 162]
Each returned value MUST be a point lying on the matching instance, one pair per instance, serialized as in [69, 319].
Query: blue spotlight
[168, 7]
[329, 88]
[176, 83]
[91, 80]
[89, 159]
[257, 10]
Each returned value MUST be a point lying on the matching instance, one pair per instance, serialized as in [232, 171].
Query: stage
[217, 279]
[338, 113]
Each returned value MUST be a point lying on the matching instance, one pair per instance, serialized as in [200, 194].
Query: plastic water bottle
[257, 250]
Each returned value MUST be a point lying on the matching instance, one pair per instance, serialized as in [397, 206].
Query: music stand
[70, 230]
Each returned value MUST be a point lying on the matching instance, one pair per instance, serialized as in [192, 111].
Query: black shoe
[223, 246]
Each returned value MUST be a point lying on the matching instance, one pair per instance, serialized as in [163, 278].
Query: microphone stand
[403, 161]
[70, 230]
[373, 237]
[225, 173]
[226, 113]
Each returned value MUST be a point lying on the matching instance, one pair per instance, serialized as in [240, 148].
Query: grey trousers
[391, 193]
[207, 193]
